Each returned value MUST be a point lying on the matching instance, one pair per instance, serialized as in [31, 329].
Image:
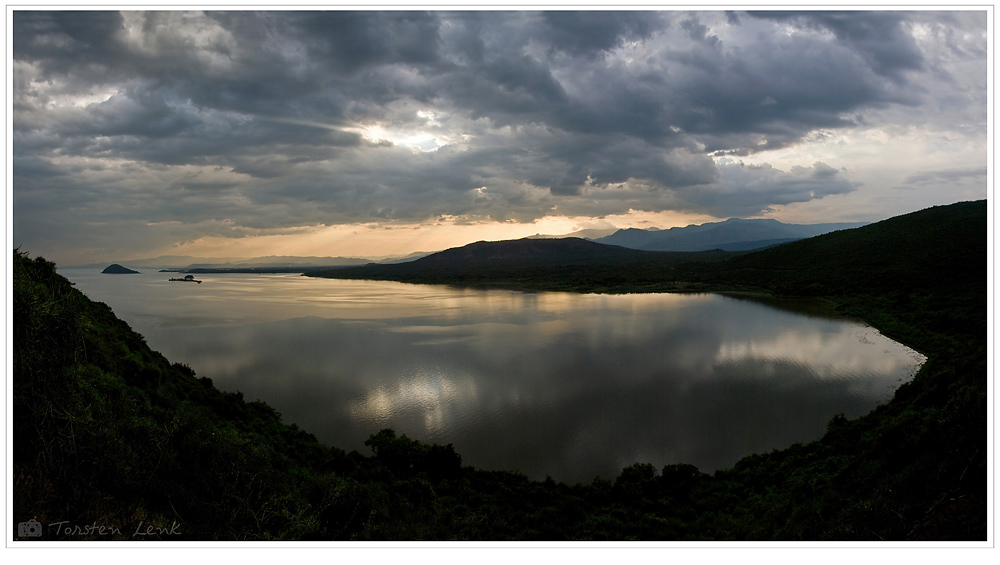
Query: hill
[523, 252]
[731, 235]
[544, 264]
[932, 250]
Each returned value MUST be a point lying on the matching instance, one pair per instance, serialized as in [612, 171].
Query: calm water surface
[567, 385]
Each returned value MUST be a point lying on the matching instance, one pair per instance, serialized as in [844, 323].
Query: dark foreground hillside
[109, 434]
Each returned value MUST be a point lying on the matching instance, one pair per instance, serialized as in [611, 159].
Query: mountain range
[593, 233]
[733, 234]
[883, 258]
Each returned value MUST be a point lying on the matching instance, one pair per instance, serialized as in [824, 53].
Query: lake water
[567, 385]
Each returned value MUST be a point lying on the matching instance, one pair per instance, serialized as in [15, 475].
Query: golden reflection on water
[367, 299]
[428, 393]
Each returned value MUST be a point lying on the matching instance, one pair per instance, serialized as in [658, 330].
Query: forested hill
[549, 264]
[932, 250]
[527, 251]
[531, 252]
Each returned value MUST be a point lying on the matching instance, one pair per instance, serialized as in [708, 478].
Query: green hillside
[109, 433]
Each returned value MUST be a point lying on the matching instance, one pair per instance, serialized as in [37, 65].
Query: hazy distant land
[731, 235]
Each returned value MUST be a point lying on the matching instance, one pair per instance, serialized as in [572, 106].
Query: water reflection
[571, 386]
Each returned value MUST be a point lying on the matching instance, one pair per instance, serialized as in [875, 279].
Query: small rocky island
[117, 269]
[187, 278]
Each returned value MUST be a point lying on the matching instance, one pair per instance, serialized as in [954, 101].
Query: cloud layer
[232, 124]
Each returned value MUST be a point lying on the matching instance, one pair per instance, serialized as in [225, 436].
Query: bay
[565, 385]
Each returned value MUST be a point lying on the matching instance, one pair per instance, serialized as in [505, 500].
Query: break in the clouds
[134, 131]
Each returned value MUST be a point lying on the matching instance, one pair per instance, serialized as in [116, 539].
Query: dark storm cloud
[350, 42]
[779, 89]
[877, 37]
[274, 120]
[592, 34]
[92, 38]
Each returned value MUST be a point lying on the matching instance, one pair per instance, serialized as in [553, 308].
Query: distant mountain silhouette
[584, 234]
[176, 263]
[485, 256]
[116, 269]
[521, 252]
[733, 234]
[505, 263]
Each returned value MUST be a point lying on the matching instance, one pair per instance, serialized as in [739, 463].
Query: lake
[565, 385]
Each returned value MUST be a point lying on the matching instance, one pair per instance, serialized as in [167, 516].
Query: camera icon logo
[29, 529]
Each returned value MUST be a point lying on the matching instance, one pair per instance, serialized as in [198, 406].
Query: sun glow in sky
[345, 133]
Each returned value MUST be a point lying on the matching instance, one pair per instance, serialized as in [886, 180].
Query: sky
[346, 133]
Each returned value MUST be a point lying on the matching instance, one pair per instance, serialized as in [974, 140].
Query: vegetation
[108, 433]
